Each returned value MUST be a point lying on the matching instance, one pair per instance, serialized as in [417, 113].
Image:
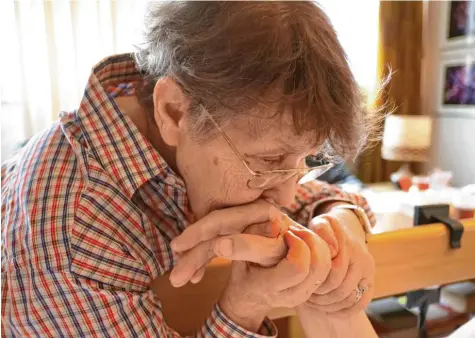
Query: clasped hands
[278, 262]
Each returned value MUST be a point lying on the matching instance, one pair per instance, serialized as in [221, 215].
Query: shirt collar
[112, 138]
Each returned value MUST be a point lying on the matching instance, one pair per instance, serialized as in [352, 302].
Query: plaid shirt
[89, 208]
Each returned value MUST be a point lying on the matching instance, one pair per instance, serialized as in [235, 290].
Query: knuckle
[341, 292]
[331, 284]
[203, 232]
[313, 300]
[334, 308]
[316, 307]
[222, 228]
[319, 222]
[219, 225]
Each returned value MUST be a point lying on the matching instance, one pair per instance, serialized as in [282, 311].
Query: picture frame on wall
[457, 84]
[458, 24]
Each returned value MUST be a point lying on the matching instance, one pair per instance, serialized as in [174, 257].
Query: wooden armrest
[418, 257]
[185, 309]
[405, 260]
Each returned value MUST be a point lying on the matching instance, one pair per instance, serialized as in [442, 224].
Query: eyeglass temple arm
[228, 141]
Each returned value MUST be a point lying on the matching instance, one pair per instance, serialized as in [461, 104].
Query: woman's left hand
[348, 288]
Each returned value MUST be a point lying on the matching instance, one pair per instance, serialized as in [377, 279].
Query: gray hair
[237, 57]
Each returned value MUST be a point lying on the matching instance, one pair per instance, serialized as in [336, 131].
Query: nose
[283, 194]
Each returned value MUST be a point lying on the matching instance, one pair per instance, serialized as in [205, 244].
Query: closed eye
[271, 160]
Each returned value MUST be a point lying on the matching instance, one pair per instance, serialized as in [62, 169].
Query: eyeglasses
[263, 180]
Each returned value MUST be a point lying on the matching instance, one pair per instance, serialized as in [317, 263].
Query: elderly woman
[192, 148]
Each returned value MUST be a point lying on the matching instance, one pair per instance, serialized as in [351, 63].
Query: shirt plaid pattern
[88, 211]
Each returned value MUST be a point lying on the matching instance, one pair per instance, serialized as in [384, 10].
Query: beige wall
[453, 146]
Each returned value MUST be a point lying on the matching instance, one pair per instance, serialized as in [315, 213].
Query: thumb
[251, 248]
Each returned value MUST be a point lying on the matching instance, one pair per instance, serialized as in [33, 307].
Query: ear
[170, 110]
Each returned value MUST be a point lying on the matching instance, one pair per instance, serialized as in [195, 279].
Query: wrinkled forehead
[275, 128]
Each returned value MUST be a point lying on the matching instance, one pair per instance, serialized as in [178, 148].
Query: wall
[453, 145]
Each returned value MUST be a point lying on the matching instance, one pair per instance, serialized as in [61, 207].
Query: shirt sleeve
[219, 325]
[311, 195]
[110, 313]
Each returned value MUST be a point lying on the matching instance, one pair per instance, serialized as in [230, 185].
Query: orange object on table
[404, 183]
[463, 213]
[421, 182]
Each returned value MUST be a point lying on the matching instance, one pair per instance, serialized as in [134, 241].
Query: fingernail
[224, 247]
[175, 279]
[173, 245]
[270, 200]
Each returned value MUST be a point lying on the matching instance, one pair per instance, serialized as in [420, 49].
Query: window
[356, 23]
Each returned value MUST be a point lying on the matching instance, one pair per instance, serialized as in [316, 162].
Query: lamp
[407, 139]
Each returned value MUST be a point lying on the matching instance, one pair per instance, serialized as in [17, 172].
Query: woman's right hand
[254, 290]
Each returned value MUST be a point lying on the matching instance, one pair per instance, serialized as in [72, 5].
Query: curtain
[399, 49]
[48, 50]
